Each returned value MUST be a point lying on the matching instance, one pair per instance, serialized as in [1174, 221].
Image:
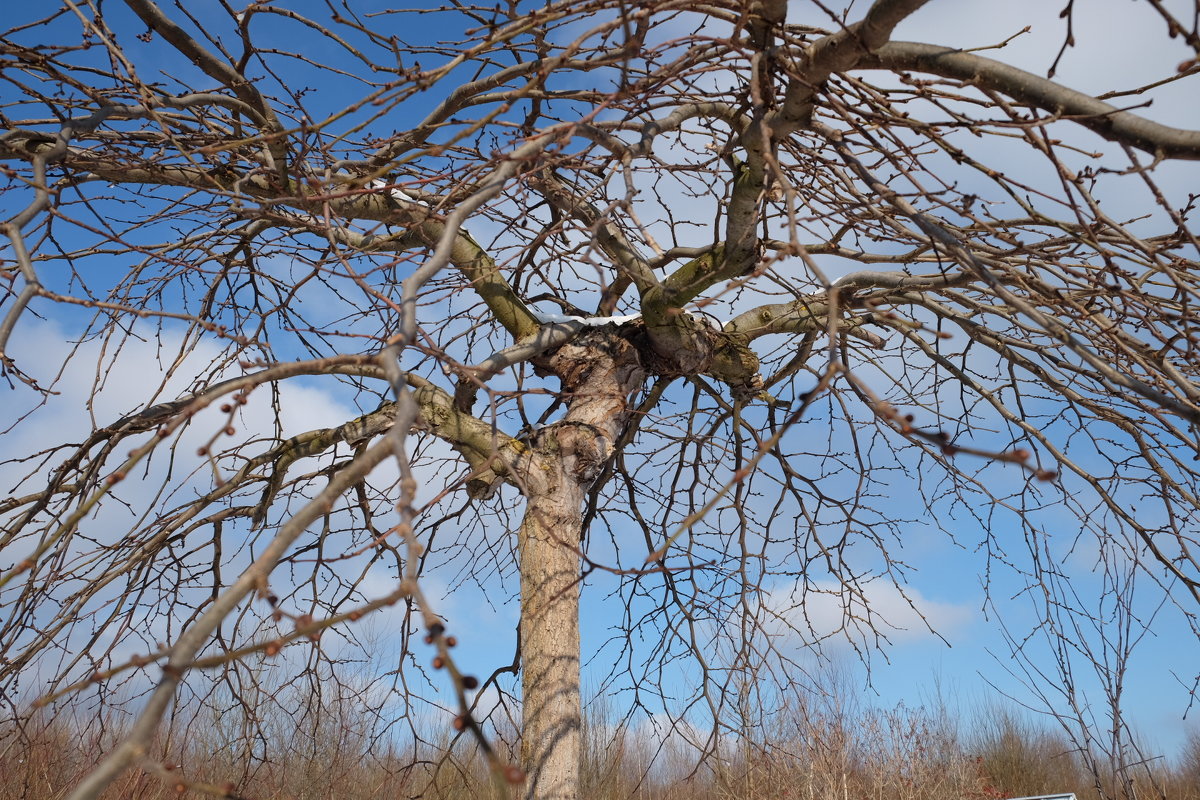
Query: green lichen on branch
[488, 451]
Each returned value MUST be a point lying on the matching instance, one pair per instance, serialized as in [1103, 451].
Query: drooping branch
[804, 315]
[1185, 402]
[312, 443]
[189, 643]
[1102, 118]
[343, 198]
[382, 155]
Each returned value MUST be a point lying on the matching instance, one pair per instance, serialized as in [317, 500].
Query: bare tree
[701, 283]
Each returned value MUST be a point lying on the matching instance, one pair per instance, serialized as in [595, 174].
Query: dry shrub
[1018, 758]
[822, 745]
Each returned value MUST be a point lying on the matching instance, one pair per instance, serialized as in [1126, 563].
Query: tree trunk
[548, 545]
[599, 371]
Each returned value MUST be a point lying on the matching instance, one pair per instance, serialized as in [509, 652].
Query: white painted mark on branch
[594, 322]
[400, 194]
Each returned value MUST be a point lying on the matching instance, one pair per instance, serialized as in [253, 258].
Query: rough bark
[548, 548]
[600, 370]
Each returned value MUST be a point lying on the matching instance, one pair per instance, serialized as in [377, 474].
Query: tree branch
[215, 68]
[1097, 116]
[425, 228]
[837, 52]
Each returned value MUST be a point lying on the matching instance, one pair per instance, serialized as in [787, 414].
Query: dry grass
[825, 748]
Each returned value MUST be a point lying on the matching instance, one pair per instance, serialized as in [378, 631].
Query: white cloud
[830, 612]
[1101, 28]
[97, 384]
[113, 381]
[676, 742]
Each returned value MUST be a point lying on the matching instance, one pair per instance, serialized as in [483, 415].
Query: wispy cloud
[835, 614]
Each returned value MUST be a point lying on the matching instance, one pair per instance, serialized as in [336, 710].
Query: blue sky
[967, 658]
